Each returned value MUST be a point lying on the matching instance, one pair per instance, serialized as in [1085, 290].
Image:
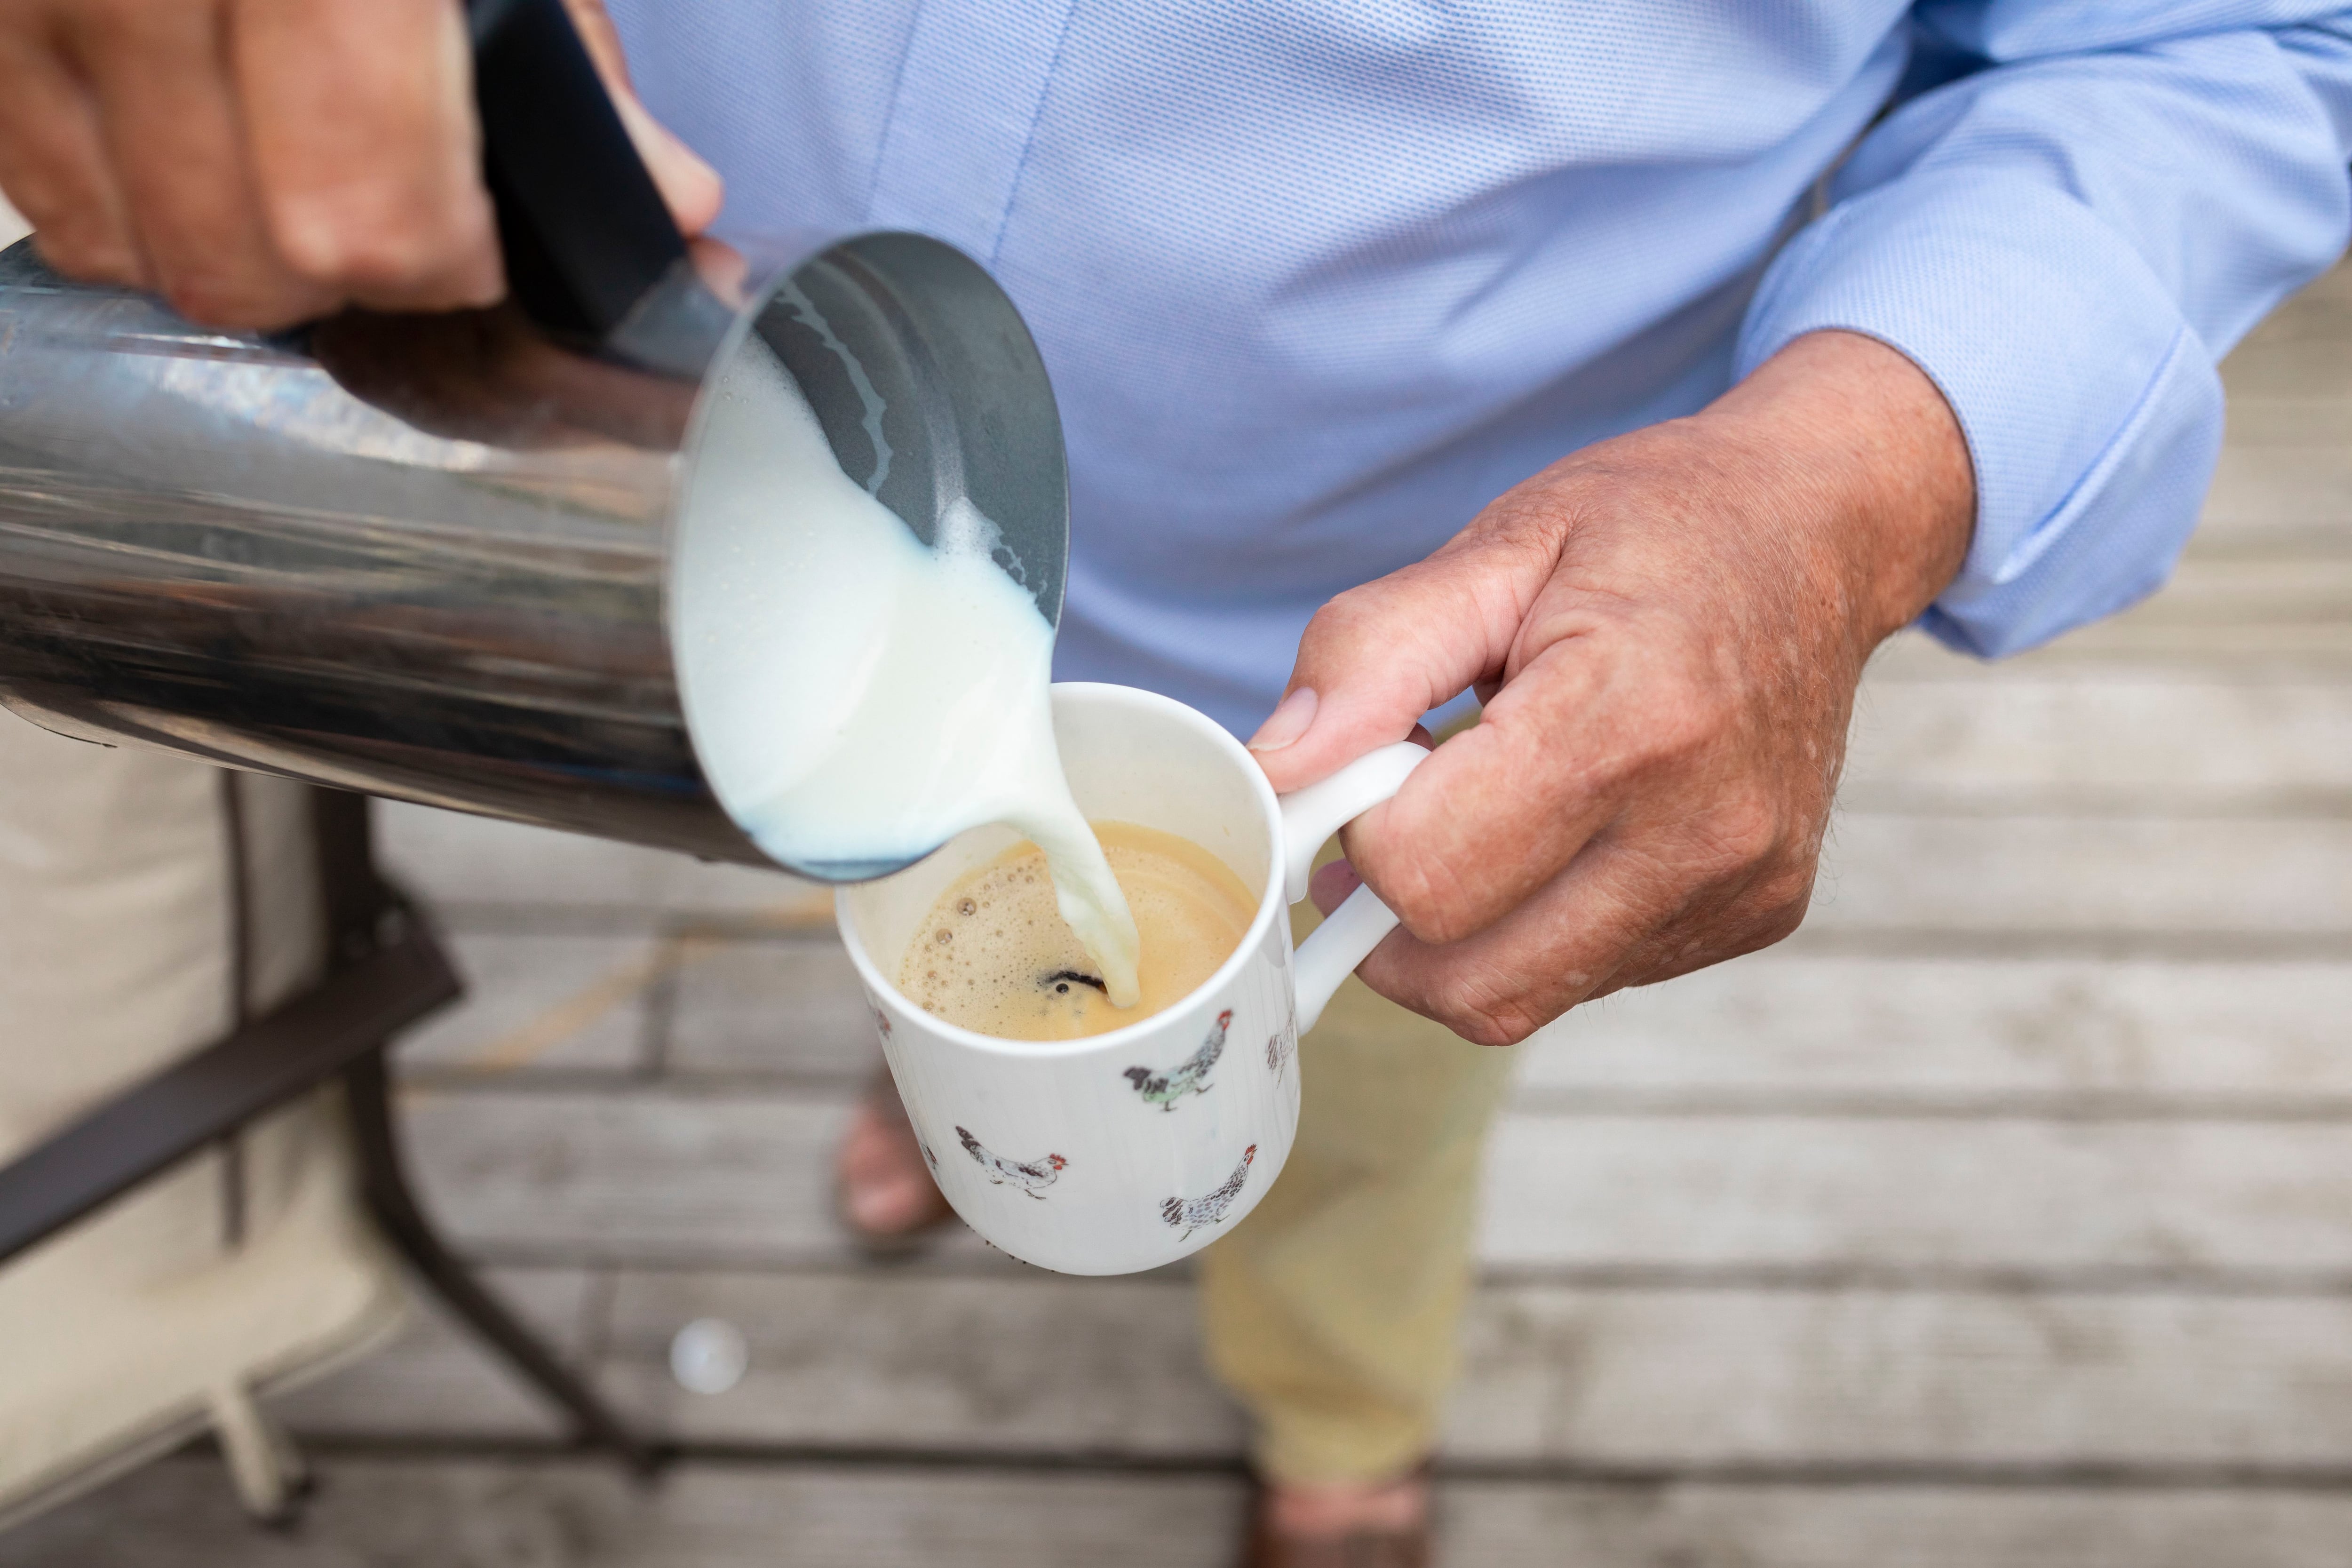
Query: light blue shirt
[1318, 279]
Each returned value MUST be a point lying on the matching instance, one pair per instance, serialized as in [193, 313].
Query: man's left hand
[1666, 630]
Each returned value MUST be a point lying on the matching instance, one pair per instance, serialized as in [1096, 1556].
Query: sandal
[1265, 1547]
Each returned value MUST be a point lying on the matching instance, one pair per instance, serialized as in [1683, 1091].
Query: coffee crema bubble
[995, 956]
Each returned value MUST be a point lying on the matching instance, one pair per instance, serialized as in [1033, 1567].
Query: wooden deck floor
[2002, 1218]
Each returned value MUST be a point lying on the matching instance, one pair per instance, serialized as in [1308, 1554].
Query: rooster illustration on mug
[1282, 1044]
[1191, 1214]
[1280, 1047]
[1033, 1178]
[1189, 1076]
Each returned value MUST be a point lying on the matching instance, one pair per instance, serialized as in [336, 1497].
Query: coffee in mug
[1127, 1148]
[995, 956]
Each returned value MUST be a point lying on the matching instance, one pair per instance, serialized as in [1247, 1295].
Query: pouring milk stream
[859, 698]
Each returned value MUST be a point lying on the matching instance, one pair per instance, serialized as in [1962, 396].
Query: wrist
[1867, 439]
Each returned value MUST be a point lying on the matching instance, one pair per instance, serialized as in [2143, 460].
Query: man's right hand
[260, 163]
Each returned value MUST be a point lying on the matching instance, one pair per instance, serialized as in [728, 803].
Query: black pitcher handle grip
[592, 255]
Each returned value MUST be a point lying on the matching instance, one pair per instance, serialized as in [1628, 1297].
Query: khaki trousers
[1334, 1312]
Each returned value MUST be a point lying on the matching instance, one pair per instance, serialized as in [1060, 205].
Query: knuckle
[1745, 832]
[371, 242]
[1775, 925]
[220, 282]
[1784, 911]
[1720, 850]
[1783, 924]
[1344, 617]
[240, 304]
[1490, 1026]
[358, 255]
[1786, 893]
[91, 257]
[1774, 908]
[198, 299]
[1504, 1030]
[1434, 906]
[1427, 917]
[1486, 1008]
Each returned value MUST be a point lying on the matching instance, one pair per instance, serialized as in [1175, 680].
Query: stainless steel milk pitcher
[425, 556]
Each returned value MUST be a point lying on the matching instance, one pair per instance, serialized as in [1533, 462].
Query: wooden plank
[437, 1380]
[1878, 1381]
[682, 1178]
[2321, 312]
[1806, 1195]
[482, 872]
[2014, 739]
[2289, 364]
[1536, 1525]
[789, 1008]
[2289, 878]
[2257, 420]
[2252, 649]
[2223, 589]
[573, 1513]
[673, 1174]
[576, 1513]
[1867, 1381]
[1793, 1028]
[571, 1175]
[2028, 873]
[572, 1003]
[1002, 1364]
[2223, 609]
[2274, 490]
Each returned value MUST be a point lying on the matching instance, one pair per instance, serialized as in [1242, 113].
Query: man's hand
[1666, 630]
[260, 163]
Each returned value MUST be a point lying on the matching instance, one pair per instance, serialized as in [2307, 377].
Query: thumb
[1377, 657]
[691, 187]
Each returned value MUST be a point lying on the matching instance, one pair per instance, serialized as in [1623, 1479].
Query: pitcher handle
[591, 253]
[1310, 815]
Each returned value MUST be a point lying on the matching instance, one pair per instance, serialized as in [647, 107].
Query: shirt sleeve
[2066, 238]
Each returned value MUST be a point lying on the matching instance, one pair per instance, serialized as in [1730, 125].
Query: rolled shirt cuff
[2092, 410]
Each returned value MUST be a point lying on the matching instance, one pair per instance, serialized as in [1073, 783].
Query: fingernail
[1286, 722]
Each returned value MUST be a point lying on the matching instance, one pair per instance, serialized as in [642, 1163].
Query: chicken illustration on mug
[1191, 1214]
[1189, 1076]
[1280, 1047]
[1033, 1178]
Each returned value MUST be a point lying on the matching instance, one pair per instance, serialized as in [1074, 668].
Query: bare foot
[881, 1186]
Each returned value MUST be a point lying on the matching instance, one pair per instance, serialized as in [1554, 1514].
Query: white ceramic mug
[1132, 1149]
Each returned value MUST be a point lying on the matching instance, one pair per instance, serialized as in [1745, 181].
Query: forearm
[2065, 242]
[1847, 420]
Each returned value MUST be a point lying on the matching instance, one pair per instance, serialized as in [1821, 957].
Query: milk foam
[993, 957]
[856, 698]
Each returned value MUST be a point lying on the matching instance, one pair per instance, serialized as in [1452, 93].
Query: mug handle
[1309, 816]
